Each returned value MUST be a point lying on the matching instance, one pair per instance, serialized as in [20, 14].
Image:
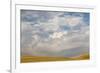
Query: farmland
[27, 59]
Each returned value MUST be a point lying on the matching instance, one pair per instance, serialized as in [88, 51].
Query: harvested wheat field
[26, 59]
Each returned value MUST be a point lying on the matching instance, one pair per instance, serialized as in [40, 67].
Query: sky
[54, 33]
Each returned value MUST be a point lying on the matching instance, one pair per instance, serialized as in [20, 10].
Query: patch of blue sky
[77, 14]
[43, 35]
[78, 27]
[87, 18]
[29, 18]
[64, 27]
[69, 14]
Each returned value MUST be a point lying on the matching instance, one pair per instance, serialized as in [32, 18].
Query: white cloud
[73, 21]
[58, 35]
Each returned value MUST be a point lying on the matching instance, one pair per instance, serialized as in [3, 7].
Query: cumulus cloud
[57, 34]
[73, 21]
[49, 33]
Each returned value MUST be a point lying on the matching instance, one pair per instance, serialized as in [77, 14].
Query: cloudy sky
[54, 33]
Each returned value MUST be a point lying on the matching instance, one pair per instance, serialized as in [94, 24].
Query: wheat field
[27, 59]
